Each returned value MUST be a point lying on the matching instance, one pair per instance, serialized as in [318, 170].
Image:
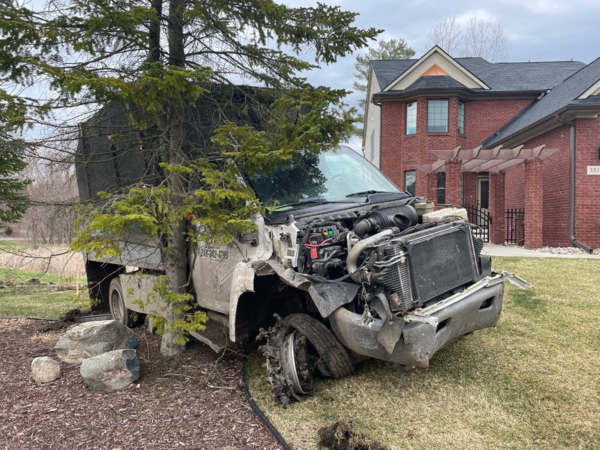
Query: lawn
[532, 382]
[49, 298]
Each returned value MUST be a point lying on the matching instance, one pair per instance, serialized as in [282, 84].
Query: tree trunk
[176, 254]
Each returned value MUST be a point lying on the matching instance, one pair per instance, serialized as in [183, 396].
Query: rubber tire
[324, 341]
[118, 310]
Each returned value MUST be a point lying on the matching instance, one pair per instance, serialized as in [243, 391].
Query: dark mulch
[172, 406]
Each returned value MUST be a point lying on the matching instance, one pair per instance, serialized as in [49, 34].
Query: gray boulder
[45, 370]
[94, 338]
[111, 371]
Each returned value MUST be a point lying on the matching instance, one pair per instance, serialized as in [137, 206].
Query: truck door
[213, 265]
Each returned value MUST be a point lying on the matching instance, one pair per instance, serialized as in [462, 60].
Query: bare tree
[485, 38]
[446, 34]
[478, 37]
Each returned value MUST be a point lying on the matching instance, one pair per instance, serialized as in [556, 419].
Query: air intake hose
[401, 217]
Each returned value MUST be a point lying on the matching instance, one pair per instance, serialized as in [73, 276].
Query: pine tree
[161, 58]
[390, 49]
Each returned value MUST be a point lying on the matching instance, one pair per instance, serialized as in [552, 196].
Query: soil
[194, 401]
[340, 436]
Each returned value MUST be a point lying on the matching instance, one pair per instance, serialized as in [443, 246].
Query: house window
[373, 146]
[437, 116]
[410, 182]
[411, 118]
[461, 117]
[441, 188]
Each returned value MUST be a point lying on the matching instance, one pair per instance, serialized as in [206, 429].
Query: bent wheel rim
[290, 364]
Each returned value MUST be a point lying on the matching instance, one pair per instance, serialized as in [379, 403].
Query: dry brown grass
[54, 260]
[531, 383]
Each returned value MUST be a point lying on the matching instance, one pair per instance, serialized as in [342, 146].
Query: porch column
[497, 208]
[534, 203]
[453, 182]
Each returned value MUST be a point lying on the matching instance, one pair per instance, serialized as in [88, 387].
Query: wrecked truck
[343, 269]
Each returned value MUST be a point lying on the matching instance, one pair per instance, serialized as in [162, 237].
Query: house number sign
[593, 170]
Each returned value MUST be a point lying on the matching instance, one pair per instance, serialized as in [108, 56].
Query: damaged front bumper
[414, 339]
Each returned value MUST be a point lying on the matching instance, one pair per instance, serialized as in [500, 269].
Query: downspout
[572, 187]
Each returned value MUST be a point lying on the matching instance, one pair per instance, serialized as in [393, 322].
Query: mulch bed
[196, 401]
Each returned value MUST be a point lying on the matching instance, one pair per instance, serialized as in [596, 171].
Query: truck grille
[430, 263]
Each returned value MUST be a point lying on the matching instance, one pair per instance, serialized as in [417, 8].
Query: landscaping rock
[94, 338]
[45, 369]
[111, 371]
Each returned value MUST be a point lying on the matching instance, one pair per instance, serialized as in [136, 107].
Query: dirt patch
[171, 406]
[340, 436]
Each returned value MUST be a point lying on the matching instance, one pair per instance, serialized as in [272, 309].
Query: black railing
[480, 217]
[515, 226]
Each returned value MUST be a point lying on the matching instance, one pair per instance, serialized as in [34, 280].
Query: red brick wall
[400, 152]
[515, 187]
[555, 174]
[483, 117]
[470, 188]
[587, 200]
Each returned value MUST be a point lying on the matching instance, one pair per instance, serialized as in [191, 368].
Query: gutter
[466, 92]
[572, 165]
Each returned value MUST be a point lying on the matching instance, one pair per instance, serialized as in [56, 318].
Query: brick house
[499, 137]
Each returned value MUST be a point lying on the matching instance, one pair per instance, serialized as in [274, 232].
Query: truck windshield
[334, 176]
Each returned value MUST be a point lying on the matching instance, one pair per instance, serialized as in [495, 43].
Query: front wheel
[296, 346]
[118, 310]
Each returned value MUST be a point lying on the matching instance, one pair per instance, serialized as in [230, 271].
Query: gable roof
[565, 94]
[438, 57]
[536, 76]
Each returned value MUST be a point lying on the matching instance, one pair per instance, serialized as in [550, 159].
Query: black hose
[29, 318]
[260, 414]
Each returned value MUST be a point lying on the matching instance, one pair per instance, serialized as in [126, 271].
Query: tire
[286, 352]
[118, 310]
[331, 351]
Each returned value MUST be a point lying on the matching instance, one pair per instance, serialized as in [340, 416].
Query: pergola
[496, 162]
[479, 160]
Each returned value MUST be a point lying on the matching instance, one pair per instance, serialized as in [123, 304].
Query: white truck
[343, 270]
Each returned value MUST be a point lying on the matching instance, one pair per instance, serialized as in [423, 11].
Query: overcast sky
[537, 30]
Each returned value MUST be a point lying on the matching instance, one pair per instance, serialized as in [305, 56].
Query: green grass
[531, 382]
[19, 298]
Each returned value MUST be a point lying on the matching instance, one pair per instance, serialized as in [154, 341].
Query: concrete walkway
[520, 252]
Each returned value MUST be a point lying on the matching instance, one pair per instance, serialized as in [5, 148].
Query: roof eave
[466, 93]
[549, 117]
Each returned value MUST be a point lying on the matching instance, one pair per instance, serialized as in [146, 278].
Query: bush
[8, 231]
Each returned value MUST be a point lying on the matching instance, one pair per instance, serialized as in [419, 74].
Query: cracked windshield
[331, 177]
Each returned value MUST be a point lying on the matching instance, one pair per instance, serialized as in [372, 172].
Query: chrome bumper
[414, 340]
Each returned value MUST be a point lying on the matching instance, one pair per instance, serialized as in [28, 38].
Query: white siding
[372, 127]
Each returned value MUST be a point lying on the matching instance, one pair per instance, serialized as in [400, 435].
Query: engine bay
[401, 260]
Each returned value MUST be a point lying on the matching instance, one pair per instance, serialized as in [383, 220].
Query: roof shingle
[498, 76]
[564, 94]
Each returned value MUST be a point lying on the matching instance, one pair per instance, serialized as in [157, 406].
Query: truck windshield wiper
[306, 203]
[363, 193]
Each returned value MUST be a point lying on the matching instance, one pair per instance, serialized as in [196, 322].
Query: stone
[111, 371]
[92, 339]
[45, 369]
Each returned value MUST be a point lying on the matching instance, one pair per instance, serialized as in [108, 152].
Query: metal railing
[515, 226]
[480, 217]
